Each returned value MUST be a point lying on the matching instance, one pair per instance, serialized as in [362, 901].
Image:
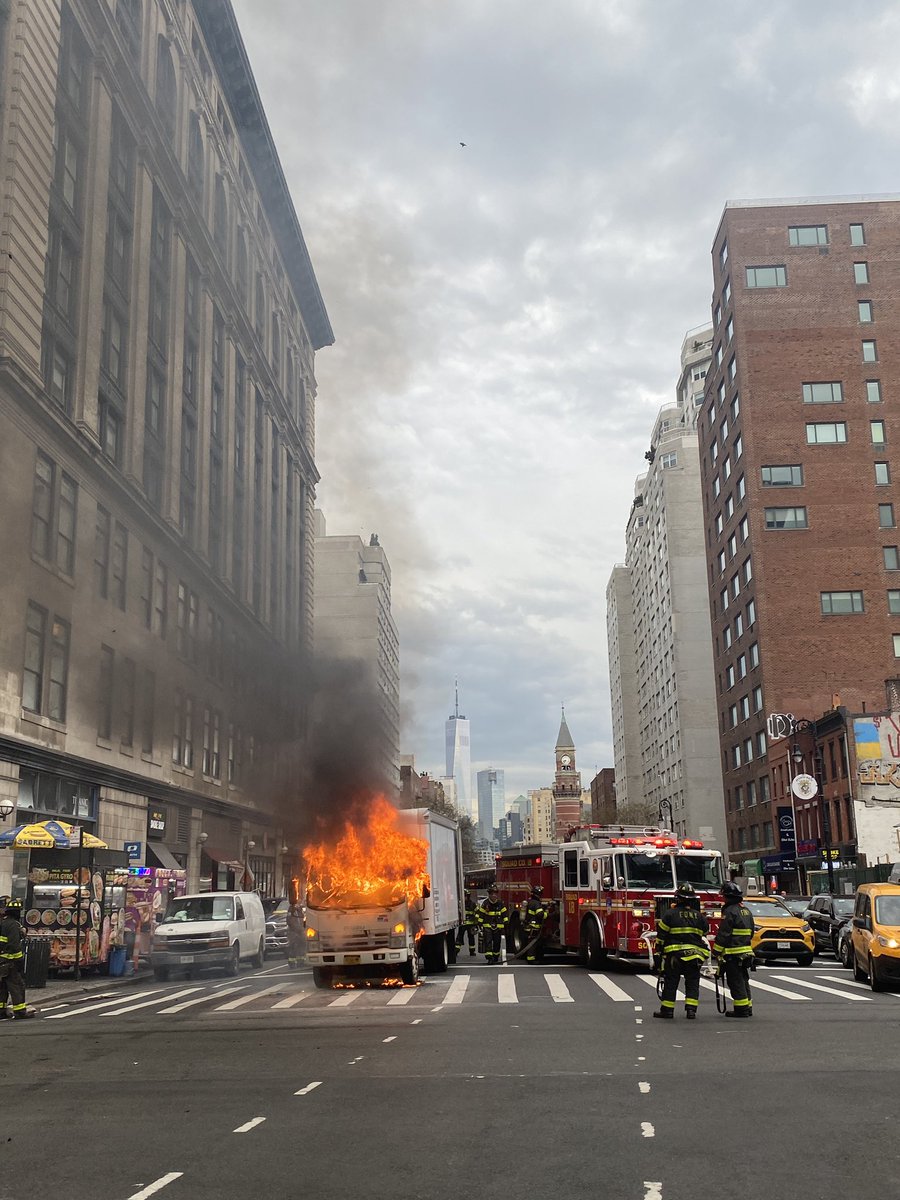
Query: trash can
[117, 960]
[37, 962]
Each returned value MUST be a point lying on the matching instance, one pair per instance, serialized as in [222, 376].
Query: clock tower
[566, 782]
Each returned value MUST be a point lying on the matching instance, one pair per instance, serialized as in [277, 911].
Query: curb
[80, 990]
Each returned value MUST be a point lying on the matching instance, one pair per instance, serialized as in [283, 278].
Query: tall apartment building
[661, 617]
[540, 817]
[458, 751]
[353, 621]
[799, 467]
[159, 317]
[603, 797]
[491, 788]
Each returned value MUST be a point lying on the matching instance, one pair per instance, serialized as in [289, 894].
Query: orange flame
[373, 863]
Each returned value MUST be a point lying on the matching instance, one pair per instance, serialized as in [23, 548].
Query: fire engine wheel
[409, 972]
[322, 977]
[592, 954]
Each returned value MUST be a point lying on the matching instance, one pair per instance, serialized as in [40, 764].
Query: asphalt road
[525, 1081]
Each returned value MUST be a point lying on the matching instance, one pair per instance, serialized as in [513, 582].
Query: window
[46, 667]
[120, 566]
[864, 308]
[717, 487]
[126, 701]
[33, 676]
[220, 217]
[101, 552]
[742, 666]
[719, 524]
[128, 18]
[723, 599]
[739, 626]
[873, 391]
[723, 431]
[747, 570]
[721, 561]
[786, 518]
[729, 508]
[105, 685]
[720, 394]
[857, 235]
[891, 559]
[751, 794]
[753, 655]
[729, 676]
[182, 731]
[726, 293]
[668, 460]
[729, 329]
[860, 272]
[732, 546]
[787, 476]
[748, 750]
[893, 598]
[808, 235]
[751, 614]
[822, 393]
[886, 516]
[896, 645]
[53, 515]
[744, 529]
[726, 469]
[733, 715]
[757, 699]
[745, 708]
[111, 430]
[732, 369]
[882, 473]
[726, 637]
[195, 157]
[148, 698]
[741, 488]
[166, 87]
[824, 433]
[841, 603]
[723, 255]
[260, 314]
[739, 797]
[766, 277]
[188, 619]
[735, 757]
[877, 430]
[870, 352]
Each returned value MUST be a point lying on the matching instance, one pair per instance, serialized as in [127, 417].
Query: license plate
[351, 959]
[784, 945]
[186, 958]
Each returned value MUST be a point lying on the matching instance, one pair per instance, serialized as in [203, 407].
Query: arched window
[130, 22]
[260, 314]
[276, 345]
[195, 158]
[243, 277]
[220, 217]
[166, 86]
[289, 385]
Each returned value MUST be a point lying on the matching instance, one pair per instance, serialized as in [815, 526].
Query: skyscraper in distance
[458, 756]
[491, 800]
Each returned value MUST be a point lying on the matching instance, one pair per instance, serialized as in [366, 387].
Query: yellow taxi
[779, 933]
[875, 940]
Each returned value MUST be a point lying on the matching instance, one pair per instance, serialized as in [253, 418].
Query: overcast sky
[509, 314]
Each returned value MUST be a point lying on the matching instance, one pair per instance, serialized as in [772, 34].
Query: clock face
[565, 760]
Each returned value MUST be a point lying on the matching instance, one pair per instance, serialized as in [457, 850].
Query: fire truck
[608, 885]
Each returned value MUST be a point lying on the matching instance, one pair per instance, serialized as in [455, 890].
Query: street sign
[804, 787]
[133, 850]
[779, 726]
[75, 836]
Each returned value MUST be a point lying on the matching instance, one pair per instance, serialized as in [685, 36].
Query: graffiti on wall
[877, 741]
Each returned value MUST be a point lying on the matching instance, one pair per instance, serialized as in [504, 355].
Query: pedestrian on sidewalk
[12, 962]
[492, 917]
[469, 927]
[296, 936]
[734, 950]
[682, 947]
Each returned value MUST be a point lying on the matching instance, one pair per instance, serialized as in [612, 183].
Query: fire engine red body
[608, 885]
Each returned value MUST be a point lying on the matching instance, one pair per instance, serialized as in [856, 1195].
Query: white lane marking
[457, 990]
[403, 997]
[865, 987]
[817, 987]
[765, 987]
[654, 1190]
[639, 1008]
[506, 989]
[52, 1007]
[417, 1021]
[647, 1129]
[304, 1091]
[272, 970]
[437, 1008]
[638, 1020]
[75, 1012]
[638, 1037]
[290, 1001]
[642, 1058]
[558, 990]
[249, 1125]
[177, 1008]
[156, 1186]
[344, 1000]
[645, 1087]
[390, 1039]
[241, 1000]
[612, 989]
[115, 1012]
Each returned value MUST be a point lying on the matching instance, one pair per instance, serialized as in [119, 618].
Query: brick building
[798, 467]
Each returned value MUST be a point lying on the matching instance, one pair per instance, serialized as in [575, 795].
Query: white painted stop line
[457, 990]
[611, 989]
[506, 989]
[558, 990]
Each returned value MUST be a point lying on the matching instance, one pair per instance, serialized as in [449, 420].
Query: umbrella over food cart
[49, 835]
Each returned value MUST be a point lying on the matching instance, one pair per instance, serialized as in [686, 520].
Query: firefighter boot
[665, 1015]
[741, 1014]
[691, 1014]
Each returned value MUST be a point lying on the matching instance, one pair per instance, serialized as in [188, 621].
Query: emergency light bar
[659, 843]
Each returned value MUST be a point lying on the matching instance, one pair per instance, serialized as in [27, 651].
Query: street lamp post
[666, 806]
[806, 726]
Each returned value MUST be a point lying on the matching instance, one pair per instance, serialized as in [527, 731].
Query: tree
[637, 812]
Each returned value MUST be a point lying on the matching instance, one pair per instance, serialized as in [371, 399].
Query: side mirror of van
[859, 922]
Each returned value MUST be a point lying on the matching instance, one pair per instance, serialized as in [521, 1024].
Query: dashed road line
[644, 1087]
[403, 996]
[304, 1091]
[558, 990]
[152, 1188]
[506, 989]
[457, 989]
[647, 1129]
[248, 1125]
[653, 1190]
[417, 1021]
[390, 1039]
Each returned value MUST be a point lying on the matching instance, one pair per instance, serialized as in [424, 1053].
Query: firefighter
[492, 918]
[12, 961]
[734, 951]
[682, 947]
[296, 936]
[469, 927]
[534, 918]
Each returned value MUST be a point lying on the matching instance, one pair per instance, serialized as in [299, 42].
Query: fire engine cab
[608, 885]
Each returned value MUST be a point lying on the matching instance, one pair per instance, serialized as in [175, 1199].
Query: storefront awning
[223, 858]
[164, 856]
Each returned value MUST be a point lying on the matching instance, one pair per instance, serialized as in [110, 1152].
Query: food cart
[148, 891]
[78, 907]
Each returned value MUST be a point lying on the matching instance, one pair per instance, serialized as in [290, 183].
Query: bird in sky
[462, 143]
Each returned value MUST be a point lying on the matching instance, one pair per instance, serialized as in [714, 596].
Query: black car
[276, 925]
[797, 904]
[826, 914]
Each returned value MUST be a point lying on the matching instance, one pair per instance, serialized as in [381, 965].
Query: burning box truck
[387, 893]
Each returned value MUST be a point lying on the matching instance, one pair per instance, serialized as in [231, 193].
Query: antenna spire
[456, 702]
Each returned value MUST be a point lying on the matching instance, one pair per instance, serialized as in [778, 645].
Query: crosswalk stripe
[611, 989]
[817, 987]
[403, 996]
[344, 1000]
[242, 1000]
[177, 1008]
[75, 1012]
[506, 989]
[457, 989]
[558, 990]
[755, 985]
[129, 1008]
[290, 1001]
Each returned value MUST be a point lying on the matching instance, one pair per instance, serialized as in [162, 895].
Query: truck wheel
[409, 972]
[514, 937]
[161, 974]
[591, 953]
[434, 954]
[322, 977]
[451, 948]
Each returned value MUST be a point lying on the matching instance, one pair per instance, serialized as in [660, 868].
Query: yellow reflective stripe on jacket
[681, 947]
[688, 929]
[732, 950]
[12, 957]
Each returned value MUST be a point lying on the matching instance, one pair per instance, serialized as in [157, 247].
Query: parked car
[276, 925]
[826, 914]
[779, 934]
[845, 943]
[876, 934]
[797, 904]
[210, 929]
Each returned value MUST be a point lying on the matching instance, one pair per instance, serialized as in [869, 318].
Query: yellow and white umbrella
[48, 835]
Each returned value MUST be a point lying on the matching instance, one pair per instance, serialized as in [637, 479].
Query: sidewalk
[70, 988]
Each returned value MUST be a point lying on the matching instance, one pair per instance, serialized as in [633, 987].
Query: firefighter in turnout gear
[296, 936]
[533, 920]
[12, 962]
[492, 918]
[682, 947]
[733, 949]
[469, 927]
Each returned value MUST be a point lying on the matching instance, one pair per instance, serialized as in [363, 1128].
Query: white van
[210, 929]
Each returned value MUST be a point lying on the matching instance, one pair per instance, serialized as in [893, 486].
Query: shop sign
[156, 822]
[773, 864]
[786, 829]
[133, 850]
[806, 848]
